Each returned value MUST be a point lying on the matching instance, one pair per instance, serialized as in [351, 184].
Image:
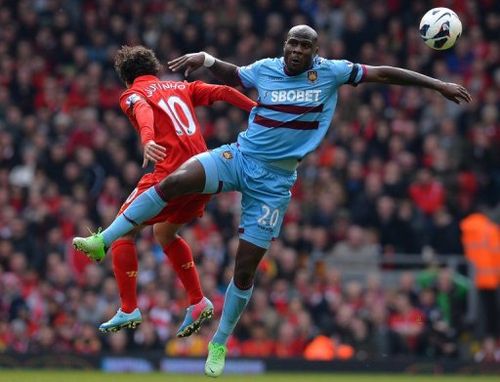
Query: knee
[243, 278]
[172, 186]
[163, 236]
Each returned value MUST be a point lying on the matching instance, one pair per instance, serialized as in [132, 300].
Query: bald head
[301, 46]
[304, 32]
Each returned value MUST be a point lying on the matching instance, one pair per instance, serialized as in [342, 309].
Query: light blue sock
[235, 302]
[144, 207]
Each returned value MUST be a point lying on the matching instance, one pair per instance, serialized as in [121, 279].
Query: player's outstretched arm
[206, 94]
[223, 71]
[398, 76]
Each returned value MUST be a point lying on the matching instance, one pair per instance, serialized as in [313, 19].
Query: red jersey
[163, 111]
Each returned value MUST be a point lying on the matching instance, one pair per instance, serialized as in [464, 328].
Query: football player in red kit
[163, 114]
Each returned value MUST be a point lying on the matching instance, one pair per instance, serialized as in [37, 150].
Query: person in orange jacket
[481, 241]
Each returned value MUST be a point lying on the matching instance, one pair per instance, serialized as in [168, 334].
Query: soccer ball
[440, 28]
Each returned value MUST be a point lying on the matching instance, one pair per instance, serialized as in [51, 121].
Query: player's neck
[291, 74]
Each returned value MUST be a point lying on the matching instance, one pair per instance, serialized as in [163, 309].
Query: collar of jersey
[298, 74]
[146, 77]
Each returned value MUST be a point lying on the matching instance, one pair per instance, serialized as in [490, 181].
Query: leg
[265, 198]
[125, 267]
[238, 294]
[181, 257]
[188, 179]
[248, 257]
[260, 222]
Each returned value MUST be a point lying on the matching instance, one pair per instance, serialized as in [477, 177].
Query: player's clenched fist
[153, 152]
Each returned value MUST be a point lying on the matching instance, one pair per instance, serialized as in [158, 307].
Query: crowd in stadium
[399, 169]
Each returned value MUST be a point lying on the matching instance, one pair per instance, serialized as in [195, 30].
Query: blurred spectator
[354, 256]
[288, 343]
[260, 344]
[439, 337]
[450, 292]
[145, 337]
[87, 341]
[407, 322]
[490, 351]
[427, 192]
[117, 343]
[445, 235]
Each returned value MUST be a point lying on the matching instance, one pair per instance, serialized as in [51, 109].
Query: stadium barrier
[156, 361]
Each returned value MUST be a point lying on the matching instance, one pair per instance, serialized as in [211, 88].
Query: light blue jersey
[294, 112]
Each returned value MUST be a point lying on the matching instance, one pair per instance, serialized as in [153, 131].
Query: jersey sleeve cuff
[363, 75]
[357, 74]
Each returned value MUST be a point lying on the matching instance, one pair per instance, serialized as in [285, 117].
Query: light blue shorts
[265, 190]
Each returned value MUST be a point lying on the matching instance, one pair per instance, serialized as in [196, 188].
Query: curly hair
[134, 61]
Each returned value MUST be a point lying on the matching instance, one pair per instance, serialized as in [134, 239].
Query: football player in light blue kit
[297, 99]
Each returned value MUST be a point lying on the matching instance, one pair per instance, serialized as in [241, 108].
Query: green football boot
[214, 366]
[93, 246]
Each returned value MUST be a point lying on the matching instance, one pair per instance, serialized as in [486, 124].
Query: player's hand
[153, 152]
[454, 92]
[190, 62]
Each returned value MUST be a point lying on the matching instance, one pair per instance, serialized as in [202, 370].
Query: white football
[440, 28]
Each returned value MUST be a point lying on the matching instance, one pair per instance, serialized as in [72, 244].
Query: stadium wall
[149, 362]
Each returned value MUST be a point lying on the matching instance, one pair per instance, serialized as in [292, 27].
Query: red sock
[181, 257]
[125, 267]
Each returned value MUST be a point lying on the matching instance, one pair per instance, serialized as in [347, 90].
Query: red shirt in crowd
[429, 197]
[409, 325]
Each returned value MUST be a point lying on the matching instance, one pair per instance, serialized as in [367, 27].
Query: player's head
[134, 61]
[301, 46]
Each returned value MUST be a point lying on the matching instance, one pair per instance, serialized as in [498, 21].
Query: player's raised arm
[205, 94]
[398, 76]
[223, 71]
